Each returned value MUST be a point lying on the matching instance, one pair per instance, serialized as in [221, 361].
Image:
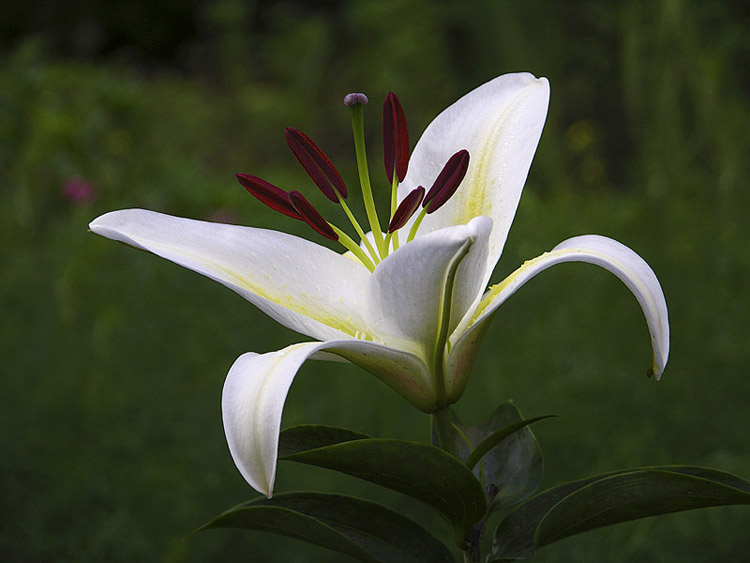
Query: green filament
[358, 228]
[415, 226]
[354, 248]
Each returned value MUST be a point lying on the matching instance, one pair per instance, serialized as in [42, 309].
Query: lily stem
[442, 426]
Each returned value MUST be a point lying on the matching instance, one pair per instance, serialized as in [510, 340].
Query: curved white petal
[300, 284]
[405, 294]
[257, 385]
[470, 283]
[630, 268]
[499, 123]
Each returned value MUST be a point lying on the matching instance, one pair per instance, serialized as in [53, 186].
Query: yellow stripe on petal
[302, 285]
[611, 255]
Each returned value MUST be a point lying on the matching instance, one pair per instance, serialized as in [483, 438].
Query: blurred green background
[112, 361]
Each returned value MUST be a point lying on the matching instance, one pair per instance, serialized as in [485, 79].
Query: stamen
[316, 164]
[272, 196]
[311, 215]
[406, 209]
[395, 138]
[443, 188]
[416, 224]
[394, 207]
[360, 231]
[447, 182]
[347, 242]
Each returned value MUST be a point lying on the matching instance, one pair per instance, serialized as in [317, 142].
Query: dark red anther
[447, 182]
[274, 197]
[395, 138]
[406, 209]
[311, 215]
[316, 164]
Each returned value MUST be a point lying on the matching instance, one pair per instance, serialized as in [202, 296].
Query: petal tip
[657, 369]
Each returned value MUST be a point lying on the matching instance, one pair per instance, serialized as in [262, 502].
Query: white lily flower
[415, 316]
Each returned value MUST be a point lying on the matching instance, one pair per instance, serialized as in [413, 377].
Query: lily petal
[257, 385]
[405, 295]
[300, 284]
[499, 123]
[630, 268]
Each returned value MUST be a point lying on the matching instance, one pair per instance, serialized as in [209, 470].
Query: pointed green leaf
[514, 463]
[496, 438]
[310, 436]
[424, 472]
[579, 506]
[361, 529]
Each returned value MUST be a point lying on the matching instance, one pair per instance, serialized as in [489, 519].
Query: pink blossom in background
[78, 190]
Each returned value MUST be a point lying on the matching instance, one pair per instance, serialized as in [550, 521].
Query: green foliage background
[112, 361]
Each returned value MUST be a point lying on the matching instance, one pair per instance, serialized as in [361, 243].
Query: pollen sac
[406, 209]
[395, 138]
[316, 164]
[447, 182]
[311, 216]
[274, 197]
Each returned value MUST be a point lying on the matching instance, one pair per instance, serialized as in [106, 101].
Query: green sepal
[611, 498]
[421, 471]
[361, 529]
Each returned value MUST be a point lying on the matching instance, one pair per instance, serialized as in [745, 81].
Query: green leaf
[421, 471]
[513, 463]
[361, 529]
[310, 436]
[579, 506]
[497, 437]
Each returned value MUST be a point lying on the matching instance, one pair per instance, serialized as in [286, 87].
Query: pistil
[358, 129]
